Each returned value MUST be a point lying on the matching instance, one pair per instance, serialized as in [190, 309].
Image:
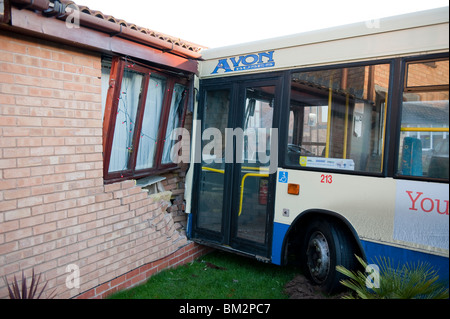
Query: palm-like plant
[17, 291]
[407, 281]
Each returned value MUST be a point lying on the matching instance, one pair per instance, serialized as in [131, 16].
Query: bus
[318, 147]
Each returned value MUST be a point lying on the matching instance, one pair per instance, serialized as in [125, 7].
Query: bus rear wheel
[325, 246]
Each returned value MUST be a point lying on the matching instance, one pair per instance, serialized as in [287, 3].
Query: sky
[214, 23]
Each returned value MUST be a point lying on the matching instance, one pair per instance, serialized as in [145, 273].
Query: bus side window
[425, 120]
[337, 118]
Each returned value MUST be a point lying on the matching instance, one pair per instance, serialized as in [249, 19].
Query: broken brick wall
[55, 209]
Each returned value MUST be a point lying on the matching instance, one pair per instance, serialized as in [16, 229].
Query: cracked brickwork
[55, 210]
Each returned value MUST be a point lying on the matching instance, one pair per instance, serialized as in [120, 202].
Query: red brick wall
[54, 207]
[141, 274]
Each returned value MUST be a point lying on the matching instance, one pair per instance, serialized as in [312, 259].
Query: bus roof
[386, 37]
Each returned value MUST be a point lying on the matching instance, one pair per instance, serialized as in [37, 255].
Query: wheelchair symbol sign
[283, 177]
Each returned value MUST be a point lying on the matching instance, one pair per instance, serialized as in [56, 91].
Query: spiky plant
[22, 291]
[407, 281]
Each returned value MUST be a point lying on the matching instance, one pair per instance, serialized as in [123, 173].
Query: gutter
[63, 10]
[39, 5]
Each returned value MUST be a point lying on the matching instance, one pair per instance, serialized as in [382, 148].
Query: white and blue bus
[320, 146]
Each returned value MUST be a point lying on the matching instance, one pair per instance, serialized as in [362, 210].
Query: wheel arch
[296, 230]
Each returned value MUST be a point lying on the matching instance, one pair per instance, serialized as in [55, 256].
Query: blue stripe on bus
[401, 256]
[279, 232]
[372, 251]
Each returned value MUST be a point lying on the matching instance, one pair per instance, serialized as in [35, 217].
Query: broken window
[142, 107]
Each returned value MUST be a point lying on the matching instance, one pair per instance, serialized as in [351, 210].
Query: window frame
[404, 88]
[390, 109]
[422, 88]
[118, 67]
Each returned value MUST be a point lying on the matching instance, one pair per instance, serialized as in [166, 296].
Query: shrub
[21, 291]
[407, 281]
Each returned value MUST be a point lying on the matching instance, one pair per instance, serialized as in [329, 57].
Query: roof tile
[152, 33]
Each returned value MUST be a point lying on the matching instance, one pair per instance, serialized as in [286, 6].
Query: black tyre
[325, 246]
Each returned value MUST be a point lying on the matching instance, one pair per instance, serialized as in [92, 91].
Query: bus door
[232, 205]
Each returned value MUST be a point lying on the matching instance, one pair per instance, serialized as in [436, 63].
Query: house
[90, 196]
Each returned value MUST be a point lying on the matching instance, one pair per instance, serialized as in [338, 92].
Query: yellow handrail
[384, 130]
[347, 100]
[424, 129]
[330, 99]
[243, 179]
[255, 168]
[242, 187]
[221, 171]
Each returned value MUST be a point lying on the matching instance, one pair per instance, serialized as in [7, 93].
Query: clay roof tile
[152, 33]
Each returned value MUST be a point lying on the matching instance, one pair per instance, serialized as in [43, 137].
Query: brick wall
[140, 275]
[54, 207]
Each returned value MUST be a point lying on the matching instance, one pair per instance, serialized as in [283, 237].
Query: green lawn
[218, 275]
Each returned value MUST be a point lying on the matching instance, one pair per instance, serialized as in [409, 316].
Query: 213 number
[326, 179]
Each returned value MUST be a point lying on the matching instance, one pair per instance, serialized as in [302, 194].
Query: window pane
[122, 145]
[211, 188]
[174, 121]
[337, 118]
[427, 73]
[257, 122]
[150, 125]
[424, 135]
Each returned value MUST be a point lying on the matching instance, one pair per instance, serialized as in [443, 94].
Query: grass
[218, 275]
